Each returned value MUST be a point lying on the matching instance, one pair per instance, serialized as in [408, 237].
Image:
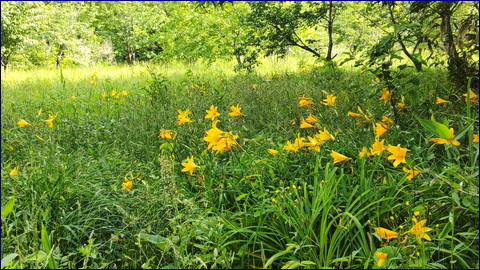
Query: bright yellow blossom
[385, 95]
[124, 93]
[364, 152]
[304, 124]
[449, 141]
[412, 172]
[127, 184]
[104, 95]
[235, 111]
[473, 97]
[380, 129]
[312, 119]
[212, 113]
[398, 154]
[14, 172]
[382, 257]
[337, 157]
[219, 140]
[354, 114]
[387, 120]
[329, 101]
[419, 230]
[114, 93]
[325, 135]
[475, 138]
[166, 134]
[378, 147]
[441, 101]
[182, 117]
[50, 120]
[273, 152]
[314, 143]
[306, 103]
[22, 123]
[189, 166]
[386, 233]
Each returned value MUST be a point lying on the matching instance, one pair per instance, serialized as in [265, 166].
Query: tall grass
[244, 208]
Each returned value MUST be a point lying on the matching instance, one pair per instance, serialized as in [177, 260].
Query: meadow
[193, 166]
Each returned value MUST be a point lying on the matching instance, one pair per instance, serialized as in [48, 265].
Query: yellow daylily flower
[306, 103]
[475, 138]
[419, 230]
[325, 135]
[385, 95]
[22, 123]
[273, 152]
[380, 129]
[449, 141]
[127, 184]
[378, 147]
[312, 119]
[441, 101]
[412, 172]
[314, 143]
[398, 154]
[382, 257]
[337, 157]
[364, 152]
[14, 172]
[387, 120]
[50, 120]
[329, 101]
[189, 166]
[354, 114]
[212, 113]
[304, 124]
[182, 117]
[166, 134]
[386, 233]
[235, 111]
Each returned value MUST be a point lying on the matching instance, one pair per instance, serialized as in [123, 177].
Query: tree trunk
[458, 67]
[330, 30]
[61, 50]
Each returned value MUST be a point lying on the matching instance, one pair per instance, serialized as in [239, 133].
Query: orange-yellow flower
[382, 257]
[312, 119]
[93, 82]
[219, 140]
[385, 95]
[166, 134]
[329, 101]
[441, 101]
[306, 103]
[337, 157]
[235, 111]
[124, 93]
[50, 120]
[387, 120]
[104, 95]
[364, 152]
[114, 93]
[473, 97]
[398, 154]
[380, 129]
[412, 172]
[273, 152]
[304, 98]
[212, 113]
[22, 123]
[314, 143]
[14, 172]
[419, 230]
[189, 166]
[127, 184]
[378, 147]
[475, 138]
[297, 145]
[354, 114]
[324, 135]
[401, 105]
[182, 117]
[449, 141]
[386, 233]
[304, 124]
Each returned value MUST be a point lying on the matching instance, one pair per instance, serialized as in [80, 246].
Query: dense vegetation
[239, 135]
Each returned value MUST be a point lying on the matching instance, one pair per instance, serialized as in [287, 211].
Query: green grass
[70, 210]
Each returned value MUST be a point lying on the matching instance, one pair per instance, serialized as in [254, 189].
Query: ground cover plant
[153, 167]
[217, 134]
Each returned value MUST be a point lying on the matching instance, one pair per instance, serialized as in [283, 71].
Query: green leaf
[7, 259]
[37, 256]
[8, 207]
[241, 196]
[442, 130]
[428, 125]
[46, 245]
[158, 240]
[462, 132]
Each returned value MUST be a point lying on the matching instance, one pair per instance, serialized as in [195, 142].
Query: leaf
[37, 256]
[8, 207]
[428, 125]
[158, 240]
[415, 81]
[241, 196]
[442, 130]
[7, 259]
[462, 132]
